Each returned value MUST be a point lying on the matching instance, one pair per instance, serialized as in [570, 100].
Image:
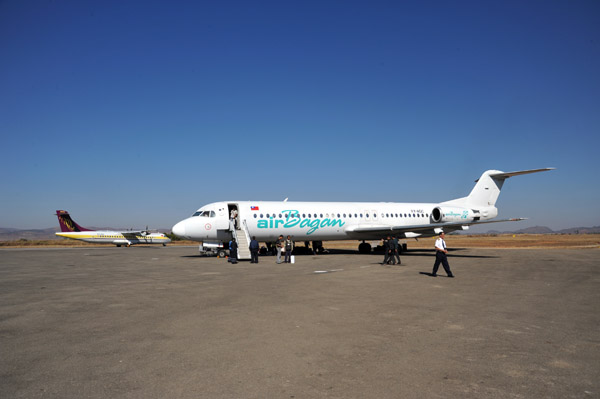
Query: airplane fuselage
[327, 221]
[116, 237]
[315, 221]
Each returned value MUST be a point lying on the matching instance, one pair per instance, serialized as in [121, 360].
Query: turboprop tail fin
[486, 191]
[67, 224]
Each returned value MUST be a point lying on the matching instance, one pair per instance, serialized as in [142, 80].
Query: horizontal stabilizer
[506, 175]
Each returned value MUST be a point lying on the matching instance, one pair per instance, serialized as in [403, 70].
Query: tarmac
[154, 322]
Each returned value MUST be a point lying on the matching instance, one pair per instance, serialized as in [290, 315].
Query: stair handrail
[246, 232]
[234, 236]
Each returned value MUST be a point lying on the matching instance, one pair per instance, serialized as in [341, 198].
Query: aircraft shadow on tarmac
[409, 253]
[412, 252]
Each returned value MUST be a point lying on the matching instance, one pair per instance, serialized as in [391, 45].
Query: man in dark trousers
[388, 248]
[254, 247]
[233, 252]
[440, 256]
[396, 254]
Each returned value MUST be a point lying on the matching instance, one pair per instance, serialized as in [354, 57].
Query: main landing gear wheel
[364, 248]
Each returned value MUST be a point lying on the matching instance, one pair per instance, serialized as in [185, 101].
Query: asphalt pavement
[154, 322]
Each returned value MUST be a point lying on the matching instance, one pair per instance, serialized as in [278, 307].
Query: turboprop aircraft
[327, 221]
[70, 229]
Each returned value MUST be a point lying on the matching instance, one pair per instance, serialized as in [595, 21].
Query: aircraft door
[222, 220]
[234, 214]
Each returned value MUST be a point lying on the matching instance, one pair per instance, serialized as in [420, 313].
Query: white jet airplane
[70, 229]
[328, 221]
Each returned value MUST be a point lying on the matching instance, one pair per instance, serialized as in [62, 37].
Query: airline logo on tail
[67, 224]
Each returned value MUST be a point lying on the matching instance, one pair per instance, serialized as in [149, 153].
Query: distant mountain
[547, 230]
[581, 230]
[535, 230]
[33, 234]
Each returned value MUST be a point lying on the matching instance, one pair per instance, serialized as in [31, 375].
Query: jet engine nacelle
[445, 214]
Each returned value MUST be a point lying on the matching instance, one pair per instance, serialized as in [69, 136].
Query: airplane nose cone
[179, 229]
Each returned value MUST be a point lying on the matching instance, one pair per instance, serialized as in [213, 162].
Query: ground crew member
[440, 256]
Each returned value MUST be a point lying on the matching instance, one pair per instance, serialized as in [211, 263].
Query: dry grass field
[498, 241]
[453, 241]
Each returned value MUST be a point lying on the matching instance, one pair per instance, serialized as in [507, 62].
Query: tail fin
[67, 224]
[486, 191]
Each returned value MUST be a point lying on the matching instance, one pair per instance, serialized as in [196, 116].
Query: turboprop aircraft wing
[132, 233]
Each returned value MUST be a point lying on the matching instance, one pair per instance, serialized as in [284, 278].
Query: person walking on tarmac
[440, 256]
[388, 249]
[396, 254]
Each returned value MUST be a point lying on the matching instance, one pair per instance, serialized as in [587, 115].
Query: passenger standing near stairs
[279, 245]
[254, 248]
[233, 252]
[289, 247]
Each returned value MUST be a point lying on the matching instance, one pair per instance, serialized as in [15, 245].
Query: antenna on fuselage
[285, 200]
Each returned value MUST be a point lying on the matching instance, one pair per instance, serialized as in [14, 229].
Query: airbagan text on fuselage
[293, 219]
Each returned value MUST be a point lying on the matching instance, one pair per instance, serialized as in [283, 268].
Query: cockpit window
[206, 214]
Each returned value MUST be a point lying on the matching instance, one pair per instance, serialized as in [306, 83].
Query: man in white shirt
[440, 256]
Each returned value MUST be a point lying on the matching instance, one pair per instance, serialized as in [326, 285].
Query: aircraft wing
[422, 230]
[132, 233]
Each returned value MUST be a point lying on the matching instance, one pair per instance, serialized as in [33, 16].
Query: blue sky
[130, 114]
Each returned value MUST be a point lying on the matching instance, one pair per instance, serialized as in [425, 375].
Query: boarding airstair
[242, 237]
